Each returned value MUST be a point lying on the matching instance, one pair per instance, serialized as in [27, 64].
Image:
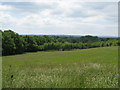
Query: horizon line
[67, 35]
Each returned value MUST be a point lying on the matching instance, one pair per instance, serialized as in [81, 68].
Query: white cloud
[60, 18]
[5, 7]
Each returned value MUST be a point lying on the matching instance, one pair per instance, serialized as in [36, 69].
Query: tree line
[13, 43]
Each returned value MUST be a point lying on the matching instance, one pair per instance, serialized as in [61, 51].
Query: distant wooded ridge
[13, 43]
[65, 35]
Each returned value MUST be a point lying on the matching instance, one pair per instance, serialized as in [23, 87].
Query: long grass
[87, 68]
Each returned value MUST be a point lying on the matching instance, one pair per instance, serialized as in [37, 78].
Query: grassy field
[86, 68]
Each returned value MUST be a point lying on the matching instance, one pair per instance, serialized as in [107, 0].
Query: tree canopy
[13, 43]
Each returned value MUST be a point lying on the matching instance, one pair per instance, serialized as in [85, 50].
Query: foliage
[13, 43]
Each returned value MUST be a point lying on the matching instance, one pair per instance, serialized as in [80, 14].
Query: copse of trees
[13, 43]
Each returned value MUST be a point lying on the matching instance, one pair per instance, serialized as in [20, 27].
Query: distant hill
[68, 35]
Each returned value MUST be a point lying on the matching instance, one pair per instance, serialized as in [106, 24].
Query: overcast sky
[60, 17]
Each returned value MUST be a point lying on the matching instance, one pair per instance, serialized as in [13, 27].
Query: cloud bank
[60, 17]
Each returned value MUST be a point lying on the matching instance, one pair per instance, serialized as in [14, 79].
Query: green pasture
[82, 68]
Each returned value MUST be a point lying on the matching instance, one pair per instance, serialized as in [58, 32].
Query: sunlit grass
[87, 68]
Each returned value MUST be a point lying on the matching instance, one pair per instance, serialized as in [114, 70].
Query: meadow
[81, 68]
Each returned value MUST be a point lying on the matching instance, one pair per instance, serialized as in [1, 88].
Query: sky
[60, 18]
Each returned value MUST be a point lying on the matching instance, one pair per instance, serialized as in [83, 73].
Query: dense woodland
[13, 43]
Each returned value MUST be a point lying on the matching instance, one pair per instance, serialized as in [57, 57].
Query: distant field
[85, 68]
